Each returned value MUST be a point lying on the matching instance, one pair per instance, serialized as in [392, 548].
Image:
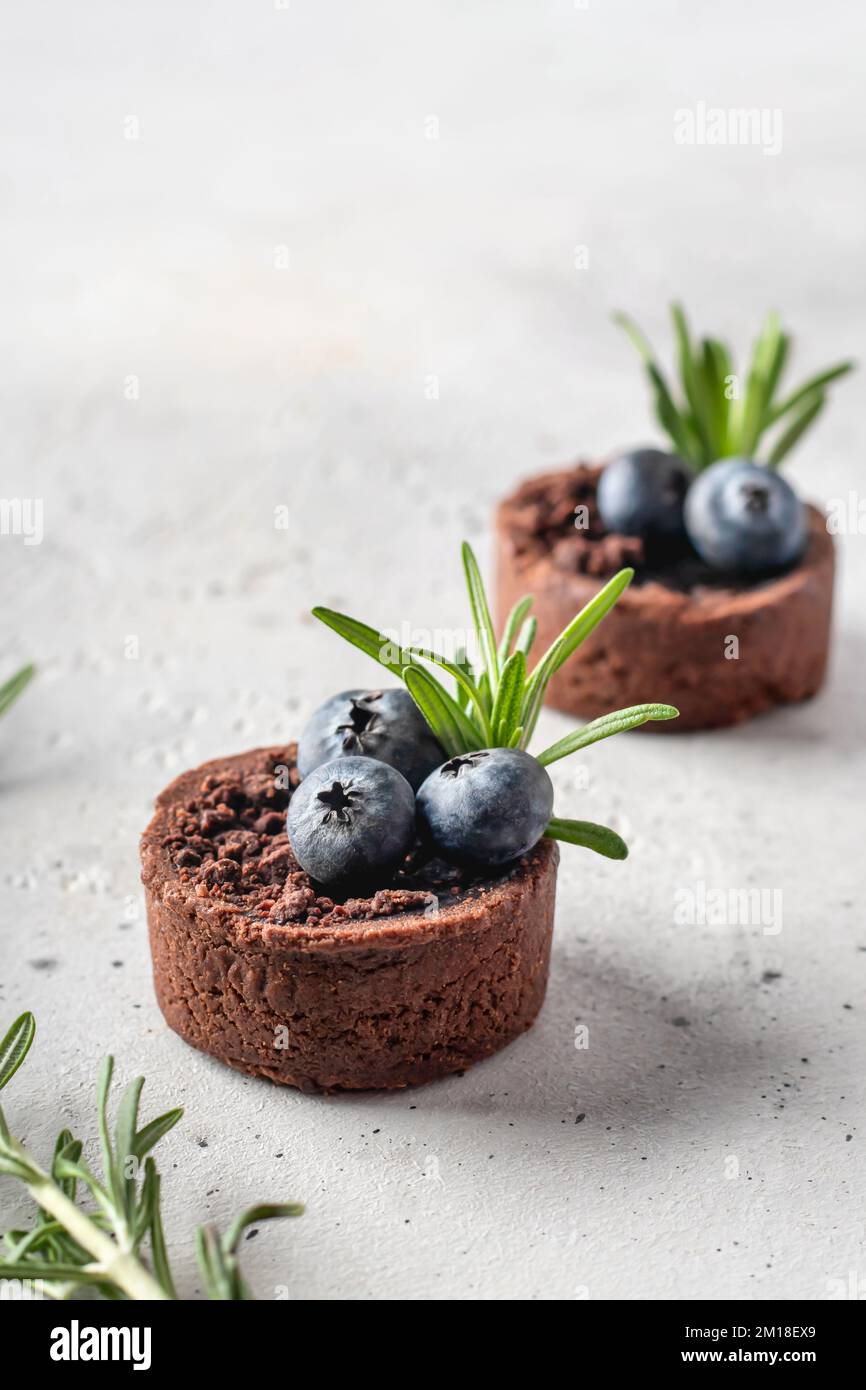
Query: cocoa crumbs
[228, 843]
[554, 517]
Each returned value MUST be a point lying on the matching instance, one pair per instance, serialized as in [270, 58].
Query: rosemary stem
[58, 1292]
[119, 1266]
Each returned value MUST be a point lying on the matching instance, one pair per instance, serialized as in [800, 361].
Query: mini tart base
[664, 644]
[382, 1002]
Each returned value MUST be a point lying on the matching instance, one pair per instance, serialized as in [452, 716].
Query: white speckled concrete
[720, 1145]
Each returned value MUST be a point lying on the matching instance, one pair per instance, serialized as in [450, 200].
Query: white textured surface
[410, 258]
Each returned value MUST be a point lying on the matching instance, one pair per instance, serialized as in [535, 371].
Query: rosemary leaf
[724, 375]
[527, 635]
[810, 407]
[464, 681]
[393, 657]
[15, 1046]
[716, 400]
[567, 643]
[692, 380]
[265, 1211]
[366, 639]
[814, 384]
[669, 417]
[450, 725]
[151, 1133]
[42, 1269]
[620, 721]
[512, 626]
[509, 699]
[11, 689]
[589, 835]
[481, 616]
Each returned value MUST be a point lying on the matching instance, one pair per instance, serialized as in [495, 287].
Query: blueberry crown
[721, 415]
[495, 701]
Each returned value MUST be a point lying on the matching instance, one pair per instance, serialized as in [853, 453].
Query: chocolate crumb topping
[229, 843]
[555, 515]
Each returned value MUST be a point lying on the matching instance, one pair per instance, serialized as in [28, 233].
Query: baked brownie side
[254, 966]
[669, 636]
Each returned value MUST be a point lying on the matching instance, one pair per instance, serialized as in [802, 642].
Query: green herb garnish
[69, 1247]
[496, 701]
[716, 417]
[11, 689]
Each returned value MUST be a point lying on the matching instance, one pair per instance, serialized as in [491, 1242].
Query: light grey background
[410, 258]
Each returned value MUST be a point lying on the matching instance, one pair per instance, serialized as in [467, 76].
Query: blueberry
[351, 821]
[382, 724]
[641, 494]
[745, 518]
[486, 807]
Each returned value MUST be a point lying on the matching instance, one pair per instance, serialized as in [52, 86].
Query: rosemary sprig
[713, 419]
[70, 1247]
[497, 701]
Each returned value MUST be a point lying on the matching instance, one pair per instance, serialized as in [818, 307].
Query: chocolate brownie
[256, 965]
[670, 636]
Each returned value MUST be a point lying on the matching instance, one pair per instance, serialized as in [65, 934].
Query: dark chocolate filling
[228, 843]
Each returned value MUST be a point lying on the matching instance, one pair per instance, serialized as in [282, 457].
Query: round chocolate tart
[254, 964]
[718, 648]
